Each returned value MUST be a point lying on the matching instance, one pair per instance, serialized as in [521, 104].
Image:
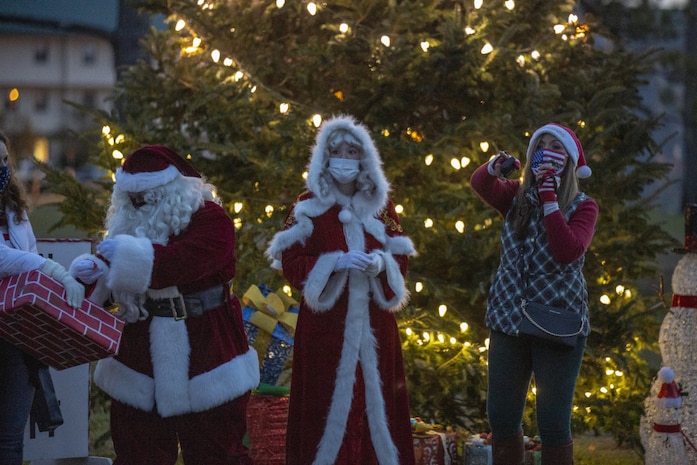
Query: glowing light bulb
[441, 338]
[419, 286]
[343, 28]
[280, 3]
[317, 120]
[117, 155]
[469, 31]
[442, 310]
[268, 210]
[464, 327]
[488, 48]
[228, 61]
[385, 40]
[409, 331]
[559, 28]
[428, 223]
[283, 108]
[520, 60]
[312, 8]
[215, 55]
[196, 42]
[238, 75]
[619, 289]
[573, 18]
[424, 46]
[535, 55]
[119, 139]
[237, 207]
[484, 146]
[460, 226]
[455, 163]
[181, 24]
[604, 299]
[465, 161]
[510, 4]
[237, 222]
[478, 4]
[287, 290]
[106, 130]
[399, 209]
[428, 159]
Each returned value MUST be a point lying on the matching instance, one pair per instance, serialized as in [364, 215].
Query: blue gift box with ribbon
[269, 322]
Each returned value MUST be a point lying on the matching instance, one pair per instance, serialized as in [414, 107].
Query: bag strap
[524, 303]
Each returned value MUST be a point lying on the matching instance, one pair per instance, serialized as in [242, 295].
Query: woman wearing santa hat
[548, 226]
[184, 369]
[343, 247]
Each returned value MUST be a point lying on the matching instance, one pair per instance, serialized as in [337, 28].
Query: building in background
[56, 54]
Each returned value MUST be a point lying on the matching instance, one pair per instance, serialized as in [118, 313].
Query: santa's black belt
[189, 305]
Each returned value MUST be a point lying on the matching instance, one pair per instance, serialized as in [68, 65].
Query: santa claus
[344, 248]
[184, 370]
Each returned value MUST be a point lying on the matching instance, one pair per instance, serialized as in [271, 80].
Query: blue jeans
[16, 395]
[512, 362]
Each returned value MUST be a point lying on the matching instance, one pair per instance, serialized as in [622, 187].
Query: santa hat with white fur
[570, 142]
[152, 166]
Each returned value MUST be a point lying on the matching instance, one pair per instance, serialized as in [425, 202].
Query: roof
[55, 16]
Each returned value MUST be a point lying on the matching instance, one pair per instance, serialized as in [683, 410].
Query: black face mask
[137, 203]
[5, 175]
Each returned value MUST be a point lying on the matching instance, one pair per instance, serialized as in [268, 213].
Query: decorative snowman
[678, 343]
[665, 444]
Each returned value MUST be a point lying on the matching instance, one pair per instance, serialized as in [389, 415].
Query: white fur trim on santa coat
[359, 346]
[131, 264]
[171, 389]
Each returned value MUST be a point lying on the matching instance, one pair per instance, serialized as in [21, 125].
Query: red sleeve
[496, 192]
[569, 241]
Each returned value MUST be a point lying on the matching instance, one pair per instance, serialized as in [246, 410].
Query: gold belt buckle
[173, 305]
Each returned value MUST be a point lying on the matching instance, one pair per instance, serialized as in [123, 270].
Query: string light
[283, 108]
[215, 55]
[312, 8]
[460, 226]
[419, 286]
[428, 223]
[478, 4]
[237, 207]
[280, 3]
[604, 299]
[399, 209]
[317, 120]
[510, 4]
[117, 155]
[428, 159]
[181, 24]
[424, 46]
[442, 310]
[343, 28]
[385, 40]
[488, 48]
[484, 146]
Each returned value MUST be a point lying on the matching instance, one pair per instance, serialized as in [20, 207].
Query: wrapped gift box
[269, 322]
[477, 454]
[436, 448]
[35, 317]
[267, 415]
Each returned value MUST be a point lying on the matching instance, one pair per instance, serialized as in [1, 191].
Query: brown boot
[558, 455]
[508, 451]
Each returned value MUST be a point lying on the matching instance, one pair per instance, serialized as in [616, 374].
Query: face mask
[5, 174]
[551, 158]
[343, 170]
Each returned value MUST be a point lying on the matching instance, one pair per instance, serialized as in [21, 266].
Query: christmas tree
[240, 86]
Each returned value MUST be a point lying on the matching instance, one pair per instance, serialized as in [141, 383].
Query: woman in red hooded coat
[343, 247]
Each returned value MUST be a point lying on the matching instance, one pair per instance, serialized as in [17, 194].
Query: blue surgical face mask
[344, 170]
[5, 175]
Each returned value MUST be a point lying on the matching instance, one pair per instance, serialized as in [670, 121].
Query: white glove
[107, 248]
[376, 265]
[74, 291]
[86, 270]
[353, 259]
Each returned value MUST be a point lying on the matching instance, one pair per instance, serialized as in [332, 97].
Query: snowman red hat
[669, 394]
[570, 142]
[152, 166]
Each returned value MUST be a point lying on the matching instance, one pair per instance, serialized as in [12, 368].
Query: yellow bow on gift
[271, 310]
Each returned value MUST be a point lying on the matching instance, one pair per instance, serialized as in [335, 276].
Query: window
[89, 54]
[41, 53]
[41, 102]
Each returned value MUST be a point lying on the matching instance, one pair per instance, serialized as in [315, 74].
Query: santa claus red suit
[346, 251]
[184, 369]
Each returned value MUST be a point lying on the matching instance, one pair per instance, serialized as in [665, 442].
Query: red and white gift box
[35, 317]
